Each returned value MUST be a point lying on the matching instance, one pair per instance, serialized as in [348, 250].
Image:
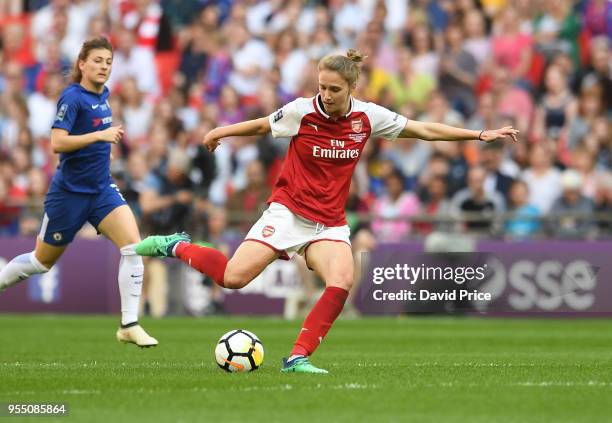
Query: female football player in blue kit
[82, 189]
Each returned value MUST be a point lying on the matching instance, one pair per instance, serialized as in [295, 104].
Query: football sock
[319, 320]
[131, 270]
[20, 268]
[206, 260]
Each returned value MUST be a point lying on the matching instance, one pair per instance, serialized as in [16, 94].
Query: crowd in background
[181, 68]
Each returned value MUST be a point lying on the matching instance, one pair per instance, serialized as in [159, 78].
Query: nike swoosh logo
[314, 126]
[303, 329]
[137, 276]
[236, 365]
[94, 106]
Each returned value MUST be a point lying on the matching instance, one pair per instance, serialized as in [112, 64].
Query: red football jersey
[316, 175]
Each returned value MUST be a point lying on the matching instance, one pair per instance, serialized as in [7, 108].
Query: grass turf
[384, 370]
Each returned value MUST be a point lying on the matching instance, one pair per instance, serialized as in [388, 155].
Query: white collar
[318, 105]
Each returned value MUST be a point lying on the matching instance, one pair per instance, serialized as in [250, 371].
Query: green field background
[408, 369]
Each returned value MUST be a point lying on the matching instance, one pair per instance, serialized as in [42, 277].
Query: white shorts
[287, 233]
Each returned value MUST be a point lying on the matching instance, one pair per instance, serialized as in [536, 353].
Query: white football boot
[136, 335]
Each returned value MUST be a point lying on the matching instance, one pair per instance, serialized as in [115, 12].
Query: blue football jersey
[79, 112]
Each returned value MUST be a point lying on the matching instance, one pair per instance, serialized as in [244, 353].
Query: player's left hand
[494, 134]
[211, 142]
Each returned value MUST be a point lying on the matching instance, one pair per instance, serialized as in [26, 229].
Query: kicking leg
[333, 262]
[25, 265]
[249, 260]
[120, 227]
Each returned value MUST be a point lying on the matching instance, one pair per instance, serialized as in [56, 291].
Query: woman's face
[519, 194]
[334, 91]
[394, 186]
[555, 80]
[421, 40]
[96, 68]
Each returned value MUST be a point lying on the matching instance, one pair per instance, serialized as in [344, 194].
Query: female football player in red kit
[306, 208]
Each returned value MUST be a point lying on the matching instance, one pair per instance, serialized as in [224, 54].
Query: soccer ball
[239, 351]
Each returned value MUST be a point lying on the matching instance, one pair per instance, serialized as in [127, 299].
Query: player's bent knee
[235, 280]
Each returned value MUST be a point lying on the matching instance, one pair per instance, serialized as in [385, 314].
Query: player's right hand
[112, 134]
[211, 142]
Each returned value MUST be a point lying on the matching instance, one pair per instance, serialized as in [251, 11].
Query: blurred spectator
[498, 179]
[436, 204]
[458, 70]
[195, 53]
[476, 43]
[137, 112]
[457, 165]
[291, 60]
[558, 29]
[218, 68]
[486, 115]
[230, 110]
[166, 199]
[511, 101]
[11, 200]
[600, 69]
[15, 44]
[143, 18]
[578, 221]
[250, 58]
[584, 162]
[542, 178]
[245, 205]
[409, 87]
[349, 19]
[597, 19]
[134, 181]
[524, 221]
[42, 105]
[393, 210]
[32, 213]
[475, 201]
[12, 120]
[132, 60]
[67, 21]
[589, 108]
[557, 107]
[13, 80]
[355, 206]
[438, 110]
[512, 49]
[425, 59]
[409, 156]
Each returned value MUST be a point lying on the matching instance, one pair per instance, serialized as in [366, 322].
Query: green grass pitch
[382, 370]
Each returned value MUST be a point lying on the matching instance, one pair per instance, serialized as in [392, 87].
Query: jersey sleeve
[385, 123]
[285, 122]
[67, 110]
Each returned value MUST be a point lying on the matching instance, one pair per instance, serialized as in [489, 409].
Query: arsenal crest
[268, 231]
[357, 125]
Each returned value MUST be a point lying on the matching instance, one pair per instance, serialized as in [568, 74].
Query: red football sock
[319, 320]
[206, 260]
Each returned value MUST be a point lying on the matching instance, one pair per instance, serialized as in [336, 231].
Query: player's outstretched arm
[61, 142]
[259, 126]
[440, 132]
